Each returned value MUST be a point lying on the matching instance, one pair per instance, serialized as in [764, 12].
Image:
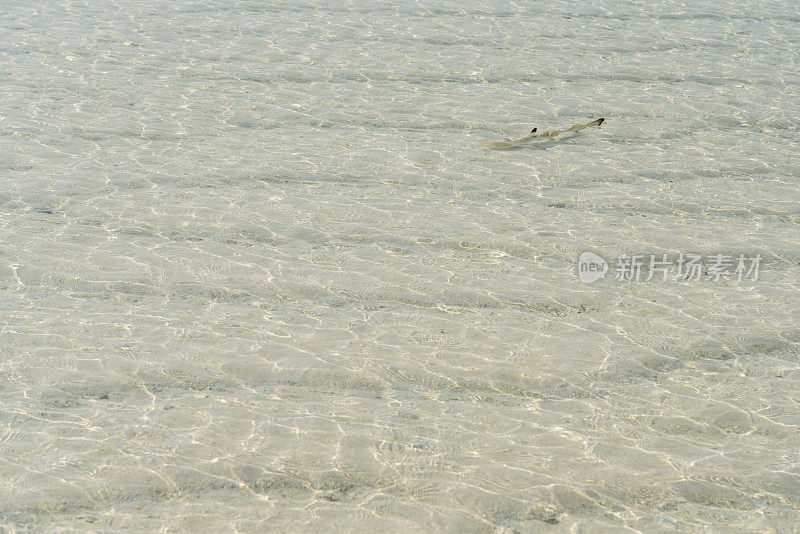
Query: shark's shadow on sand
[535, 139]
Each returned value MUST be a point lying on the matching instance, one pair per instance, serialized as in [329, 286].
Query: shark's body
[525, 142]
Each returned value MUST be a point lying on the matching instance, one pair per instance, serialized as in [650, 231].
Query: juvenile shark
[525, 142]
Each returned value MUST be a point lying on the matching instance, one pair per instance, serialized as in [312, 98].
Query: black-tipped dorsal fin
[533, 131]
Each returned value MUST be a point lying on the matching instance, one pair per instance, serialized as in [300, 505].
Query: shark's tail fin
[579, 127]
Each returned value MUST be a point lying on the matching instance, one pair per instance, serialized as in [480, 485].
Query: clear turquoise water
[256, 271]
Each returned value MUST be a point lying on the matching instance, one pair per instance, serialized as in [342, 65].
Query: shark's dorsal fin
[533, 131]
[579, 127]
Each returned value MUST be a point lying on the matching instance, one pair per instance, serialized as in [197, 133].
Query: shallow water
[257, 271]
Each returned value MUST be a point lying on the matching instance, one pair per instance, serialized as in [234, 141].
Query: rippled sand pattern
[256, 271]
